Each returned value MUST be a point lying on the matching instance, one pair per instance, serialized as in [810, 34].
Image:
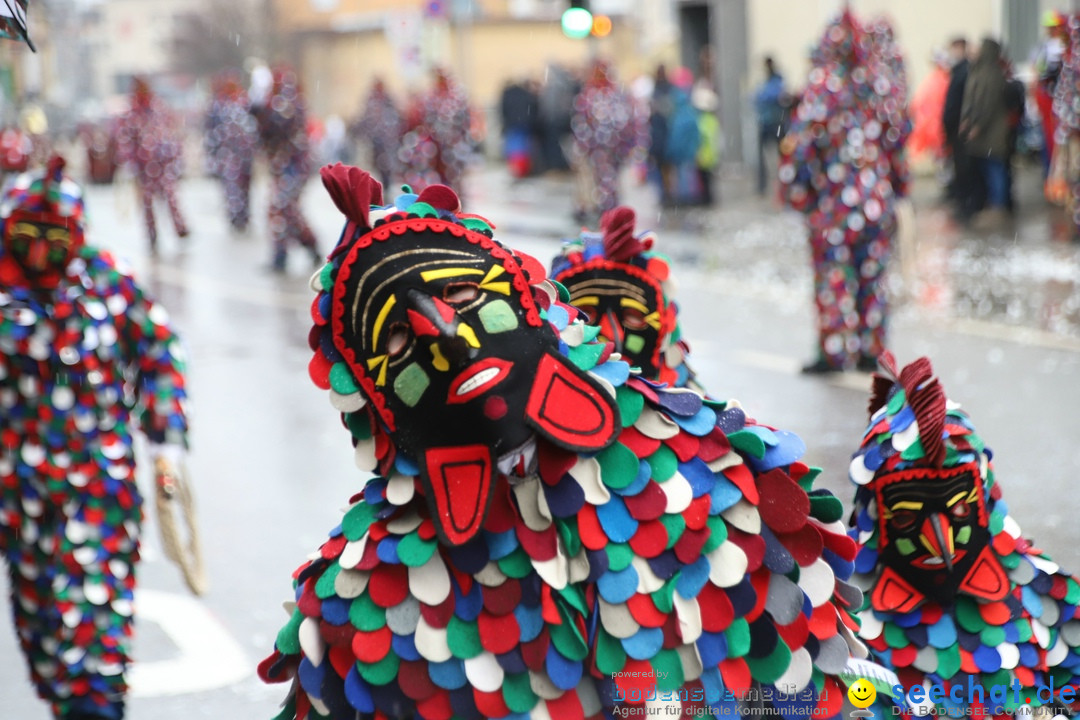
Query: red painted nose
[37, 255]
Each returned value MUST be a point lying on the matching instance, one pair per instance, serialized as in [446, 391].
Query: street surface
[997, 311]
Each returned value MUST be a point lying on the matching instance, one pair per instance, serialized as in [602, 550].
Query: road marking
[209, 657]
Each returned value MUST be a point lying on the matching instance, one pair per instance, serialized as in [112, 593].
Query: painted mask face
[934, 532]
[444, 335]
[627, 304]
[442, 331]
[42, 249]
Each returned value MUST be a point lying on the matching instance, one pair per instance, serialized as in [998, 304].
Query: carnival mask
[626, 303]
[40, 247]
[439, 325]
[934, 535]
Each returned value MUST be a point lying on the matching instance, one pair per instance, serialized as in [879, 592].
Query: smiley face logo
[861, 693]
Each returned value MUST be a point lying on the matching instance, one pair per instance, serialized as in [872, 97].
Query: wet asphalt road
[997, 310]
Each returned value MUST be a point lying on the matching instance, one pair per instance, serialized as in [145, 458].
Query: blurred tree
[214, 36]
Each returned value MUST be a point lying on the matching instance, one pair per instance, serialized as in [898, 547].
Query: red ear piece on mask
[570, 409]
[893, 593]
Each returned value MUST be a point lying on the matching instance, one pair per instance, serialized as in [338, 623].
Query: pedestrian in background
[607, 131]
[769, 104]
[230, 139]
[150, 143]
[683, 140]
[838, 167]
[660, 108]
[984, 126]
[85, 358]
[1049, 58]
[927, 107]
[556, 105]
[706, 102]
[965, 189]
[380, 125]
[520, 116]
[281, 118]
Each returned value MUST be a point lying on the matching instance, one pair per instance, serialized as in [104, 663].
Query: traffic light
[577, 21]
[601, 26]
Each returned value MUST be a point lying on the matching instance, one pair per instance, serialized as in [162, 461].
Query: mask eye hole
[460, 293]
[903, 520]
[633, 319]
[590, 313]
[398, 339]
[960, 510]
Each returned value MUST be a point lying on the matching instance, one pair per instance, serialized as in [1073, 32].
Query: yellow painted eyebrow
[380, 319]
[956, 498]
[907, 505]
[429, 275]
[632, 303]
[58, 234]
[28, 229]
[587, 300]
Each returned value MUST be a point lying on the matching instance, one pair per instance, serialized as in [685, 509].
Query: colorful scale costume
[549, 535]
[436, 147]
[148, 140]
[230, 141]
[842, 166]
[1067, 111]
[625, 289]
[85, 359]
[954, 594]
[380, 125]
[608, 130]
[282, 126]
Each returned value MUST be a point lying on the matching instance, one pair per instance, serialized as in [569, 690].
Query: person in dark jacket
[965, 189]
[984, 122]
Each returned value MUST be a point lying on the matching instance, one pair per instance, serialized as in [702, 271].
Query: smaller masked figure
[953, 588]
[85, 358]
[149, 141]
[281, 120]
[230, 141]
[622, 287]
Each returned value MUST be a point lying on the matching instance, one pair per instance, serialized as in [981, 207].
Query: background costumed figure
[624, 288]
[549, 534]
[230, 139]
[842, 166]
[608, 130]
[85, 359]
[955, 595]
[282, 125]
[149, 141]
[381, 126]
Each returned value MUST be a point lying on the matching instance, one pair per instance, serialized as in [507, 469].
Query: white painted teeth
[477, 380]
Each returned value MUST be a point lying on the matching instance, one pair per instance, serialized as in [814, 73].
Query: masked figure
[281, 120]
[85, 357]
[230, 141]
[842, 166]
[622, 287]
[149, 141]
[381, 126]
[549, 534]
[953, 589]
